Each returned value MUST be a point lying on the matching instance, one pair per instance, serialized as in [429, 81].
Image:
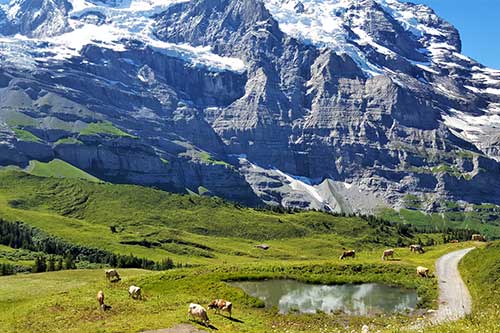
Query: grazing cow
[100, 298]
[417, 248]
[347, 254]
[388, 253]
[112, 275]
[263, 246]
[454, 241]
[221, 305]
[422, 271]
[198, 312]
[478, 238]
[135, 292]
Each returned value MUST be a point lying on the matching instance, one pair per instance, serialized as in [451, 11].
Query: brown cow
[346, 254]
[221, 305]
[388, 253]
[112, 275]
[454, 241]
[417, 248]
[100, 298]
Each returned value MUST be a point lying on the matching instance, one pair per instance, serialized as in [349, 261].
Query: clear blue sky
[479, 24]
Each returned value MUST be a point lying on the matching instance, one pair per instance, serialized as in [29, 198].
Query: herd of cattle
[113, 276]
[198, 312]
[421, 271]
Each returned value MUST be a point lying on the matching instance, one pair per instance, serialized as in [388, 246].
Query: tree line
[9, 269]
[409, 230]
[19, 235]
[458, 234]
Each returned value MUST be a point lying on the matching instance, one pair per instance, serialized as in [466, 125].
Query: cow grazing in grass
[422, 271]
[347, 254]
[478, 238]
[112, 275]
[198, 313]
[221, 305]
[263, 246]
[135, 292]
[454, 241]
[100, 299]
[417, 248]
[388, 253]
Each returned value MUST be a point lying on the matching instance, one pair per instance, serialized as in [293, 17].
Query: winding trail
[181, 328]
[454, 298]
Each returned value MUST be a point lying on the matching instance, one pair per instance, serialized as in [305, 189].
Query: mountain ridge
[257, 102]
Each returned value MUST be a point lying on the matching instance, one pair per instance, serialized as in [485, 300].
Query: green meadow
[211, 242]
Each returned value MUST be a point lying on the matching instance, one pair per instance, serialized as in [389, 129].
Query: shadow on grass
[236, 320]
[210, 326]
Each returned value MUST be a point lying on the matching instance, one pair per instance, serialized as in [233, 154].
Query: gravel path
[181, 328]
[454, 298]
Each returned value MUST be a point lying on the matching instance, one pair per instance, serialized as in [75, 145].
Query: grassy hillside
[483, 218]
[58, 169]
[150, 223]
[12, 256]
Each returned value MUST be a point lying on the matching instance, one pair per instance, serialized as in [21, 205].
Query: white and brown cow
[478, 238]
[135, 292]
[221, 305]
[112, 275]
[422, 271]
[417, 248]
[347, 254]
[100, 298]
[198, 312]
[388, 253]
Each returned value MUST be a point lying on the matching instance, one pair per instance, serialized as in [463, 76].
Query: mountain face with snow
[342, 105]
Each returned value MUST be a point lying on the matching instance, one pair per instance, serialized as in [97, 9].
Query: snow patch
[321, 24]
[13, 10]
[298, 184]
[473, 89]
[474, 129]
[492, 91]
[365, 39]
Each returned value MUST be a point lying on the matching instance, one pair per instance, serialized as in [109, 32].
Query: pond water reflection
[353, 299]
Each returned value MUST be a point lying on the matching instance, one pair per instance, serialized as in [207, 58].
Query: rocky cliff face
[343, 105]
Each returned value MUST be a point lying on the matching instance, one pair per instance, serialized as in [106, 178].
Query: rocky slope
[330, 104]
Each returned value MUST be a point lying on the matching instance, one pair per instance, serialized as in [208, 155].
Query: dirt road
[454, 298]
[181, 328]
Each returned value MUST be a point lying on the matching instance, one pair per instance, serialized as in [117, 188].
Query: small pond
[352, 299]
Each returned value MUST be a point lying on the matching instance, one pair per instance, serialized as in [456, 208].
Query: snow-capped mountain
[59, 30]
[331, 104]
[419, 38]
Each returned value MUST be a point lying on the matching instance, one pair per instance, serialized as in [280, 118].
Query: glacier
[124, 20]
